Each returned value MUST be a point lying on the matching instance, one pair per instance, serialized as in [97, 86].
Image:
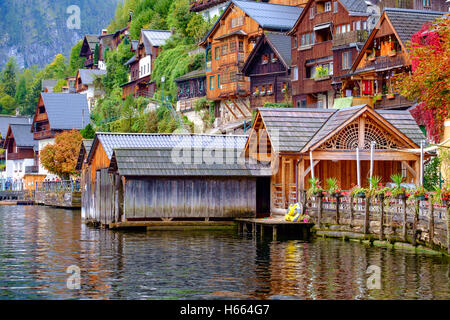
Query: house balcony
[342, 39]
[14, 156]
[88, 63]
[395, 60]
[45, 134]
[31, 169]
[387, 101]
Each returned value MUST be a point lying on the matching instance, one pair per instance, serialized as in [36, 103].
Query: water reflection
[37, 244]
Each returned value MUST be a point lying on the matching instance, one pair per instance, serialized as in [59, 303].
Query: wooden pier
[278, 227]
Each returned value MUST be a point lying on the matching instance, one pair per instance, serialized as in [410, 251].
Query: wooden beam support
[237, 107]
[410, 169]
[229, 109]
[308, 170]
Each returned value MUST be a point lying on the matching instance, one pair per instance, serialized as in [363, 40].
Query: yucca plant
[333, 186]
[397, 191]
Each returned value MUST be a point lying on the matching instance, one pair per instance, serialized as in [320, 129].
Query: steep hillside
[34, 31]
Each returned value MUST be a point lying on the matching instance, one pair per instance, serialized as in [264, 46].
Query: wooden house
[82, 168]
[100, 157]
[21, 151]
[229, 43]
[423, 5]
[190, 87]
[287, 138]
[141, 65]
[152, 185]
[91, 43]
[85, 84]
[268, 67]
[58, 112]
[325, 39]
[382, 57]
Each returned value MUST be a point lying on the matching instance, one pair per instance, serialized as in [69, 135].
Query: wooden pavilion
[288, 138]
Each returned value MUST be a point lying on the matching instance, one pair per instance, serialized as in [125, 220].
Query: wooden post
[319, 211]
[261, 231]
[351, 211]
[416, 221]
[431, 222]
[367, 216]
[337, 209]
[404, 219]
[274, 233]
[381, 217]
[254, 229]
[448, 228]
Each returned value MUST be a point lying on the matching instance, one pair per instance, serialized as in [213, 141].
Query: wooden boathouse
[140, 179]
[288, 138]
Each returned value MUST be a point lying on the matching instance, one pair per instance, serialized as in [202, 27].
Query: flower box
[269, 93]
[401, 196]
[265, 62]
[392, 54]
[390, 96]
[263, 93]
[361, 195]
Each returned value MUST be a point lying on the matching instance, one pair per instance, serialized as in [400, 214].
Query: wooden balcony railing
[350, 37]
[31, 169]
[43, 134]
[88, 62]
[385, 62]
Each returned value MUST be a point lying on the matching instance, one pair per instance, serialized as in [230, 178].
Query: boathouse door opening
[263, 197]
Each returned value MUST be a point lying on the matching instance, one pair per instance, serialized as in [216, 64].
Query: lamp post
[163, 79]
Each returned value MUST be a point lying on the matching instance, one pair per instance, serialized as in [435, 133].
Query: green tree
[58, 87]
[21, 93]
[75, 61]
[88, 132]
[8, 104]
[9, 77]
[179, 16]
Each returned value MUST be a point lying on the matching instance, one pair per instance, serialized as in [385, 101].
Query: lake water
[38, 244]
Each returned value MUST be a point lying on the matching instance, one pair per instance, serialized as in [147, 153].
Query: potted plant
[321, 73]
[256, 93]
[262, 93]
[333, 187]
[419, 193]
[390, 96]
[274, 59]
[315, 189]
[358, 192]
[442, 195]
[398, 191]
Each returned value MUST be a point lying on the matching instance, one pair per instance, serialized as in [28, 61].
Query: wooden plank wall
[190, 198]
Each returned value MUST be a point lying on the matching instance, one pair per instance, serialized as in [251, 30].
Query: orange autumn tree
[429, 79]
[61, 157]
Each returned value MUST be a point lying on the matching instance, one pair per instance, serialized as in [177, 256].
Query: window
[236, 22]
[232, 46]
[348, 27]
[224, 49]
[335, 6]
[313, 38]
[218, 81]
[265, 59]
[211, 83]
[358, 25]
[200, 85]
[269, 88]
[217, 53]
[346, 60]
[364, 25]
[295, 42]
[328, 6]
[338, 29]
[241, 46]
[294, 73]
[426, 3]
[303, 40]
[311, 13]
[303, 104]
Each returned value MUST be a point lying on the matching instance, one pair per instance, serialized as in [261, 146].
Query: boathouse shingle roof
[112, 141]
[198, 162]
[293, 129]
[290, 129]
[66, 111]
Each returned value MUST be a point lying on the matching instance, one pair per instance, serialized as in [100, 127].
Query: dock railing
[57, 186]
[412, 221]
[9, 185]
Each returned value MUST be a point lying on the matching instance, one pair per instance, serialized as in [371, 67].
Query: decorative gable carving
[350, 136]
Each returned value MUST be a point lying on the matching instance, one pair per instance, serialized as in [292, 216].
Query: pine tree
[9, 77]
